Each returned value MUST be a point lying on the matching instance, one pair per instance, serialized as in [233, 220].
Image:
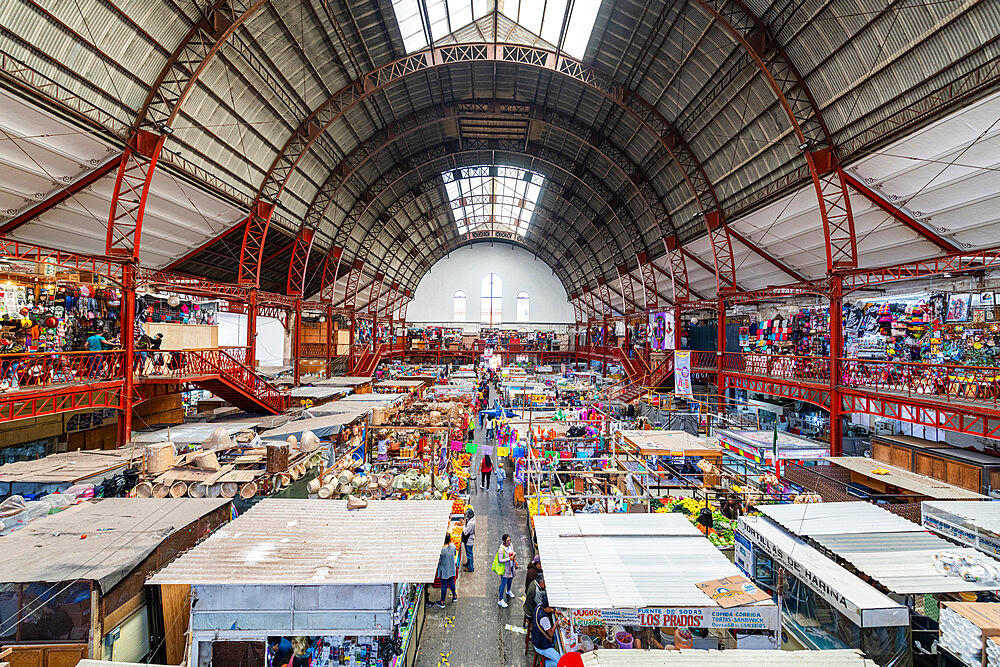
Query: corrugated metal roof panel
[813, 519]
[615, 561]
[310, 542]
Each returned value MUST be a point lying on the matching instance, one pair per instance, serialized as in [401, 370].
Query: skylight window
[424, 22]
[492, 198]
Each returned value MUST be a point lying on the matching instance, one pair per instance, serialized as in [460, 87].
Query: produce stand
[365, 603]
[606, 570]
[686, 459]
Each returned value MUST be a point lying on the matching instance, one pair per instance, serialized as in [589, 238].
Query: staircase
[655, 378]
[229, 378]
[368, 362]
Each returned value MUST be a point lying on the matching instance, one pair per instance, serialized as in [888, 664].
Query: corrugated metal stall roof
[904, 562]
[609, 561]
[311, 542]
[120, 534]
[701, 658]
[813, 519]
[985, 515]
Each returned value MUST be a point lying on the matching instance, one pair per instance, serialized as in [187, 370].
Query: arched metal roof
[676, 108]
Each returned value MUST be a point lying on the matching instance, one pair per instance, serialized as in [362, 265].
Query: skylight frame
[425, 22]
[492, 197]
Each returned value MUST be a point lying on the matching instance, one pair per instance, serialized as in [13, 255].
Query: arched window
[491, 300]
[523, 306]
[458, 306]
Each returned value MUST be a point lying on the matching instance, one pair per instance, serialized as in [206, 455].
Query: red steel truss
[299, 262]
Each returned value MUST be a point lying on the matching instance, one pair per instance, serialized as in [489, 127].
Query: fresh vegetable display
[721, 535]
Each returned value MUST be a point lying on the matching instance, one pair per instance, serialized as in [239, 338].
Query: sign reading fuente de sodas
[763, 617]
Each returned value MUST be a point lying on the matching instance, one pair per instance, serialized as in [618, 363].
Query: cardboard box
[735, 591]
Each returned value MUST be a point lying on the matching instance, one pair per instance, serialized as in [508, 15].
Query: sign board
[763, 617]
[732, 591]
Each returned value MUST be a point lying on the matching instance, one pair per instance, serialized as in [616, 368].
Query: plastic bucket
[624, 640]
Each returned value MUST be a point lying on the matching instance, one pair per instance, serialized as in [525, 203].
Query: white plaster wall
[270, 337]
[464, 269]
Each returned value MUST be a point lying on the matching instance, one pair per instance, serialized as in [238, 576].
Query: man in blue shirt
[96, 343]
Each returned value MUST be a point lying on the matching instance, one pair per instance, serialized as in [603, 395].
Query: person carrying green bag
[505, 565]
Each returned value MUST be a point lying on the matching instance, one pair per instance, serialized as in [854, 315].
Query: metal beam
[901, 216]
[58, 197]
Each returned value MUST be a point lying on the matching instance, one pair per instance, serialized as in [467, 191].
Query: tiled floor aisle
[479, 636]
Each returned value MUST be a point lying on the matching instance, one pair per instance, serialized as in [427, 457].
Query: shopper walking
[485, 470]
[501, 475]
[446, 570]
[469, 538]
[505, 564]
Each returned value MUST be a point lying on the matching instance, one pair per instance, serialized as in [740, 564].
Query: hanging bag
[498, 567]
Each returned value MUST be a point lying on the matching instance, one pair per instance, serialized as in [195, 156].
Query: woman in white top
[508, 558]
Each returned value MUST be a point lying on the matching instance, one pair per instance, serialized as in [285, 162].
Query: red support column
[627, 290]
[299, 262]
[350, 344]
[722, 251]
[329, 341]
[836, 352]
[127, 334]
[328, 281]
[128, 202]
[297, 344]
[678, 269]
[254, 236]
[720, 345]
[252, 330]
[835, 209]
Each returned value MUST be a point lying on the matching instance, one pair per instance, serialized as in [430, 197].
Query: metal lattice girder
[964, 262]
[351, 288]
[925, 412]
[650, 294]
[353, 94]
[766, 51]
[252, 250]
[722, 251]
[299, 262]
[406, 302]
[625, 285]
[678, 270]
[835, 209]
[331, 269]
[574, 300]
[425, 119]
[390, 180]
[604, 292]
[807, 124]
[190, 59]
[128, 202]
[374, 293]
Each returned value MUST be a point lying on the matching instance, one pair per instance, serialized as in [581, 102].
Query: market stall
[708, 658]
[414, 387]
[967, 468]
[757, 458]
[366, 603]
[686, 460]
[823, 605]
[970, 522]
[57, 472]
[905, 486]
[71, 584]
[357, 384]
[604, 571]
[898, 557]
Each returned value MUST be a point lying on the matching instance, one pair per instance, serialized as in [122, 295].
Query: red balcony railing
[809, 369]
[42, 369]
[942, 381]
